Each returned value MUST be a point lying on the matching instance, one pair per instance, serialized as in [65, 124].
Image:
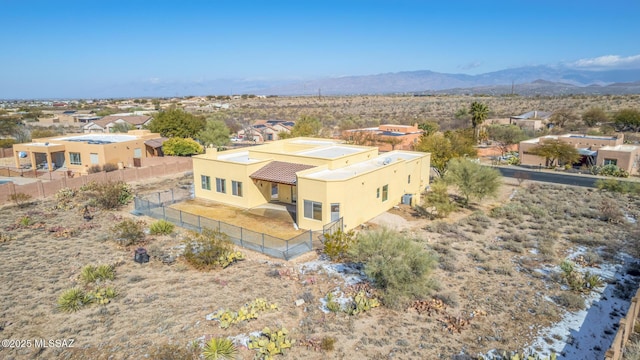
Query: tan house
[596, 150]
[626, 157]
[323, 179]
[106, 124]
[265, 130]
[79, 152]
[386, 137]
[532, 120]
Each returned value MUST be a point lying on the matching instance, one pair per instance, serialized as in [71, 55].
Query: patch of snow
[630, 218]
[351, 273]
[339, 297]
[588, 334]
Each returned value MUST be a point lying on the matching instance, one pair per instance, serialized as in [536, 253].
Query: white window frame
[313, 210]
[236, 188]
[74, 161]
[221, 185]
[205, 182]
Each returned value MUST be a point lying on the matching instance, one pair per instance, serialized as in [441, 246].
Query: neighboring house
[595, 150]
[532, 120]
[67, 117]
[325, 179]
[81, 151]
[387, 137]
[106, 124]
[265, 130]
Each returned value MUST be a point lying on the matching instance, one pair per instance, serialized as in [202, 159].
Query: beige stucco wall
[117, 152]
[252, 193]
[356, 195]
[625, 159]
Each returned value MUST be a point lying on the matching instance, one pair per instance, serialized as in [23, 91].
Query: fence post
[159, 202]
[263, 242]
[241, 235]
[199, 226]
[181, 224]
[173, 199]
[164, 216]
[310, 240]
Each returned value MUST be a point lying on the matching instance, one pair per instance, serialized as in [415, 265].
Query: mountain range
[534, 80]
[525, 81]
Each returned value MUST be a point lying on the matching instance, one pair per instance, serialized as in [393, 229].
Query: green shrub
[109, 167]
[92, 273]
[397, 265]
[210, 249]
[7, 143]
[128, 232]
[437, 202]
[176, 146]
[73, 300]
[609, 170]
[161, 227]
[216, 349]
[337, 245]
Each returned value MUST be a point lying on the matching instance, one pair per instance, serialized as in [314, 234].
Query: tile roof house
[105, 124]
[322, 179]
[266, 130]
[386, 137]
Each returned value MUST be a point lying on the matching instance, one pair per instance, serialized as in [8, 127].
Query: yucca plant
[161, 227]
[216, 349]
[73, 300]
[91, 273]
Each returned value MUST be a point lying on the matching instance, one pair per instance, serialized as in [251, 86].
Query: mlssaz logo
[57, 343]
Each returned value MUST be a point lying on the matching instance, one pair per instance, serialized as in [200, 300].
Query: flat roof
[331, 152]
[591, 137]
[362, 167]
[626, 148]
[40, 144]
[99, 138]
[314, 142]
[238, 157]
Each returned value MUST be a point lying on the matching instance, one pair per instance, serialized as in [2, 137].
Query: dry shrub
[93, 169]
[109, 167]
[570, 301]
[170, 352]
[110, 195]
[209, 250]
[20, 199]
[128, 232]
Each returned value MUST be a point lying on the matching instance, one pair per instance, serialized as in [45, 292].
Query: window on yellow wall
[313, 210]
[206, 182]
[221, 185]
[74, 158]
[408, 179]
[94, 158]
[378, 193]
[385, 193]
[236, 188]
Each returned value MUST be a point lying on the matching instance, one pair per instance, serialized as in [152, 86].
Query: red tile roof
[280, 172]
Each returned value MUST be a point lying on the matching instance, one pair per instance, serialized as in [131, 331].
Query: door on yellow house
[335, 212]
[274, 191]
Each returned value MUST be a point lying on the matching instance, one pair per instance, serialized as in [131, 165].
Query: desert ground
[498, 269]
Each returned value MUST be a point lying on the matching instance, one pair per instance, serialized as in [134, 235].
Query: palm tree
[479, 113]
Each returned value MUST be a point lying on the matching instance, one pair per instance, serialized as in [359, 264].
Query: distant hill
[533, 80]
[526, 81]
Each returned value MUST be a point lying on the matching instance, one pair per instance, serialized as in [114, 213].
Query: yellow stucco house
[79, 152]
[324, 179]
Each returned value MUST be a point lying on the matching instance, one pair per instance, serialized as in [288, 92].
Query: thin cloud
[609, 62]
[471, 65]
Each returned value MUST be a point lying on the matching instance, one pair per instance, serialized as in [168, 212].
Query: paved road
[546, 176]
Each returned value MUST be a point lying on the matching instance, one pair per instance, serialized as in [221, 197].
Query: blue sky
[91, 48]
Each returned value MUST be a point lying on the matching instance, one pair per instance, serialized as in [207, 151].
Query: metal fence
[332, 227]
[264, 243]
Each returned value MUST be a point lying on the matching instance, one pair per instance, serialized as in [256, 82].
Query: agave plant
[73, 300]
[216, 349]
